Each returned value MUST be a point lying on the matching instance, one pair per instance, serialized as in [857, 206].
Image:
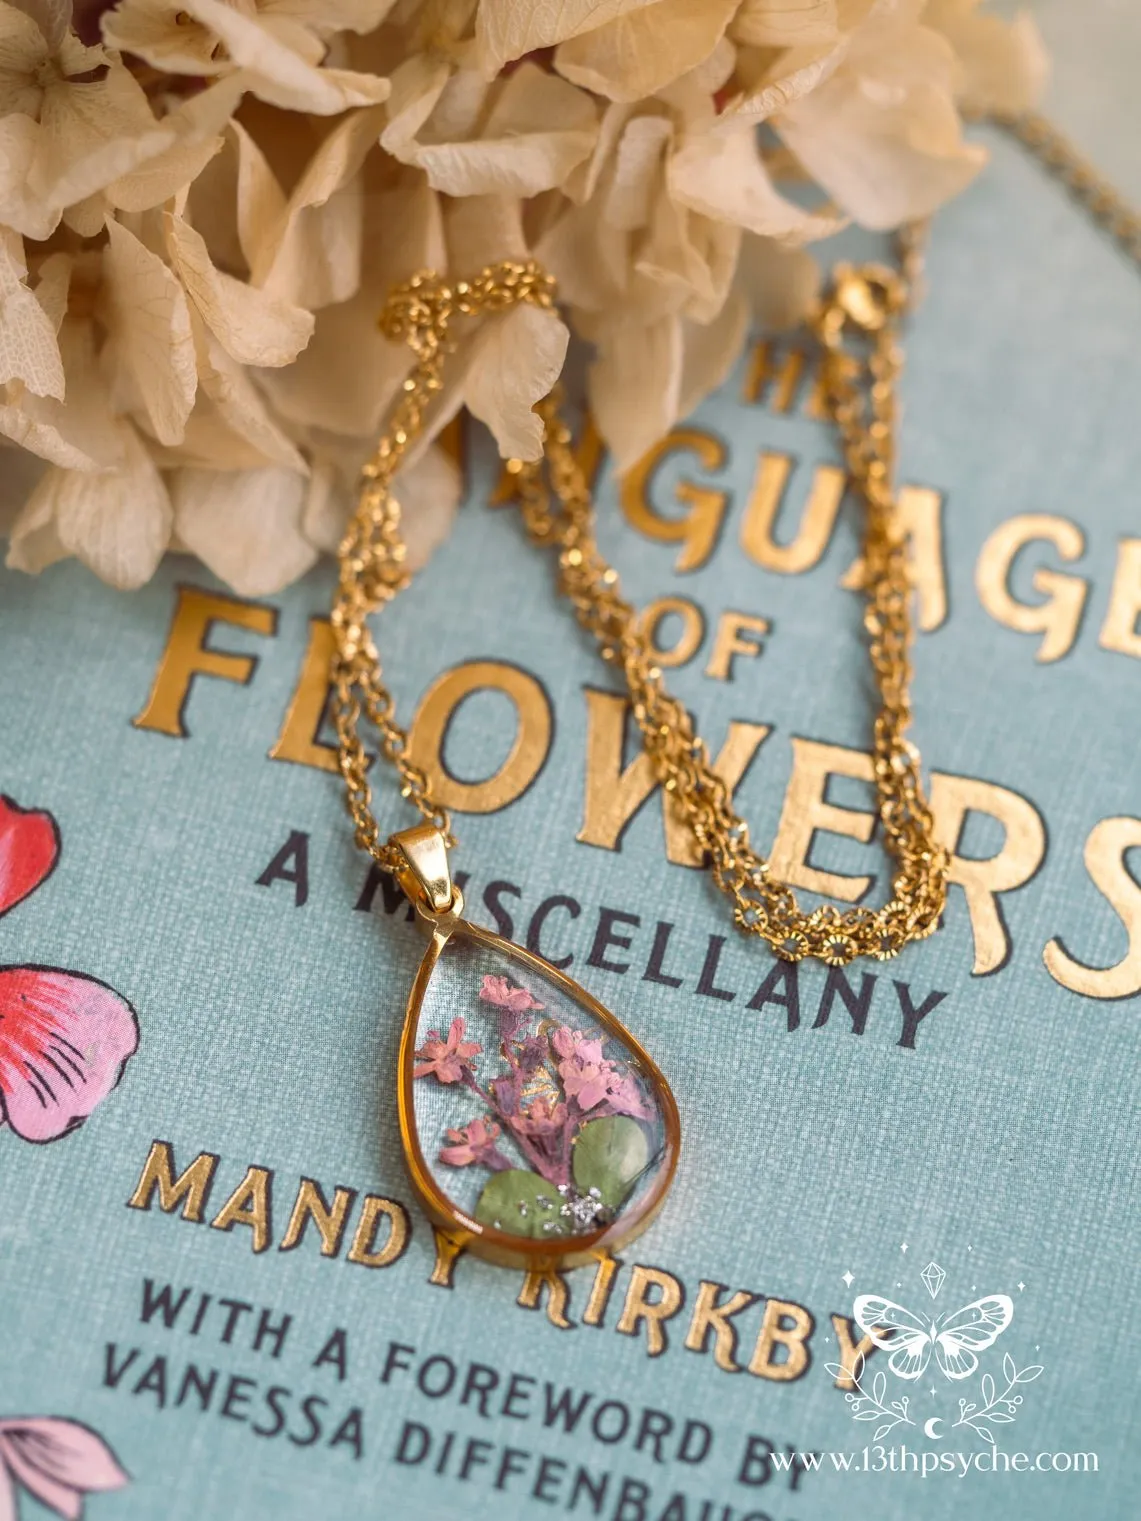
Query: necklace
[567, 1149]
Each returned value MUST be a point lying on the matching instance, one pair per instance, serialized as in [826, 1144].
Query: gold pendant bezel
[483, 1240]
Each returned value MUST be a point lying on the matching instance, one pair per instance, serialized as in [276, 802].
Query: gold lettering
[363, 1249]
[1120, 631]
[785, 1324]
[728, 642]
[186, 656]
[311, 1204]
[805, 811]
[712, 1316]
[531, 1294]
[1057, 618]
[249, 1205]
[640, 1310]
[600, 1291]
[982, 880]
[919, 516]
[614, 794]
[298, 740]
[849, 1350]
[697, 531]
[692, 629]
[528, 749]
[824, 496]
[1105, 861]
[448, 1252]
[189, 1189]
[783, 372]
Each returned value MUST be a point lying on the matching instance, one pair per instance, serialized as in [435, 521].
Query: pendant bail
[426, 878]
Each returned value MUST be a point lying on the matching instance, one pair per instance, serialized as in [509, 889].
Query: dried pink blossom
[447, 1060]
[474, 1143]
[498, 991]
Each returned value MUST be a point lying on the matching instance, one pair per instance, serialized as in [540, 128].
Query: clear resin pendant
[537, 1131]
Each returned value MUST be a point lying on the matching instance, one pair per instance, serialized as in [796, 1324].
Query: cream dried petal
[881, 135]
[710, 351]
[328, 16]
[21, 207]
[348, 375]
[29, 352]
[117, 522]
[92, 134]
[313, 254]
[245, 525]
[251, 325]
[506, 29]
[645, 49]
[238, 406]
[78, 432]
[417, 85]
[722, 176]
[1004, 63]
[275, 68]
[33, 540]
[634, 384]
[196, 124]
[149, 355]
[516, 358]
[538, 130]
[626, 200]
[482, 229]
[786, 23]
[781, 284]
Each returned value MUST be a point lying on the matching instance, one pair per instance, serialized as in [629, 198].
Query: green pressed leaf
[610, 1154]
[522, 1204]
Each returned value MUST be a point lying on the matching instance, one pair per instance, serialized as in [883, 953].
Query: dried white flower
[202, 212]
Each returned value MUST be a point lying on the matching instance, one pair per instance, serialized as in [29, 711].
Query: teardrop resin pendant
[537, 1131]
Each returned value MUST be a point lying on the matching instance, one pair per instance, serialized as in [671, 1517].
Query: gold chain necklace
[576, 1129]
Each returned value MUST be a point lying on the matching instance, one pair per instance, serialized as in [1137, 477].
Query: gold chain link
[857, 325]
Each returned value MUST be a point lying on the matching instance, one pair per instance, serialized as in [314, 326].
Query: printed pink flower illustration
[450, 1059]
[65, 1038]
[57, 1462]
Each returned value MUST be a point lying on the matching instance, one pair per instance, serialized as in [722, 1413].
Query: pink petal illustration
[29, 848]
[58, 1462]
[64, 1040]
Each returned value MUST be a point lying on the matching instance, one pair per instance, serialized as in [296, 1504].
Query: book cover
[217, 1296]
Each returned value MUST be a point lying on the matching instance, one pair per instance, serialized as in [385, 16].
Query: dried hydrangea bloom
[196, 363]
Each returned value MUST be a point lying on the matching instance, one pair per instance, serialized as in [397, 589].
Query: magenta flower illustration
[65, 1037]
[577, 1119]
[58, 1462]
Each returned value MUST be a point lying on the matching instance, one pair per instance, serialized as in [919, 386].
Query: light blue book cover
[220, 1278]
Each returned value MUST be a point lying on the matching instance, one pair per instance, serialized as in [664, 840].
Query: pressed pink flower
[446, 1060]
[586, 1075]
[498, 991]
[542, 1117]
[29, 849]
[64, 1041]
[474, 1143]
[57, 1462]
[625, 1097]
